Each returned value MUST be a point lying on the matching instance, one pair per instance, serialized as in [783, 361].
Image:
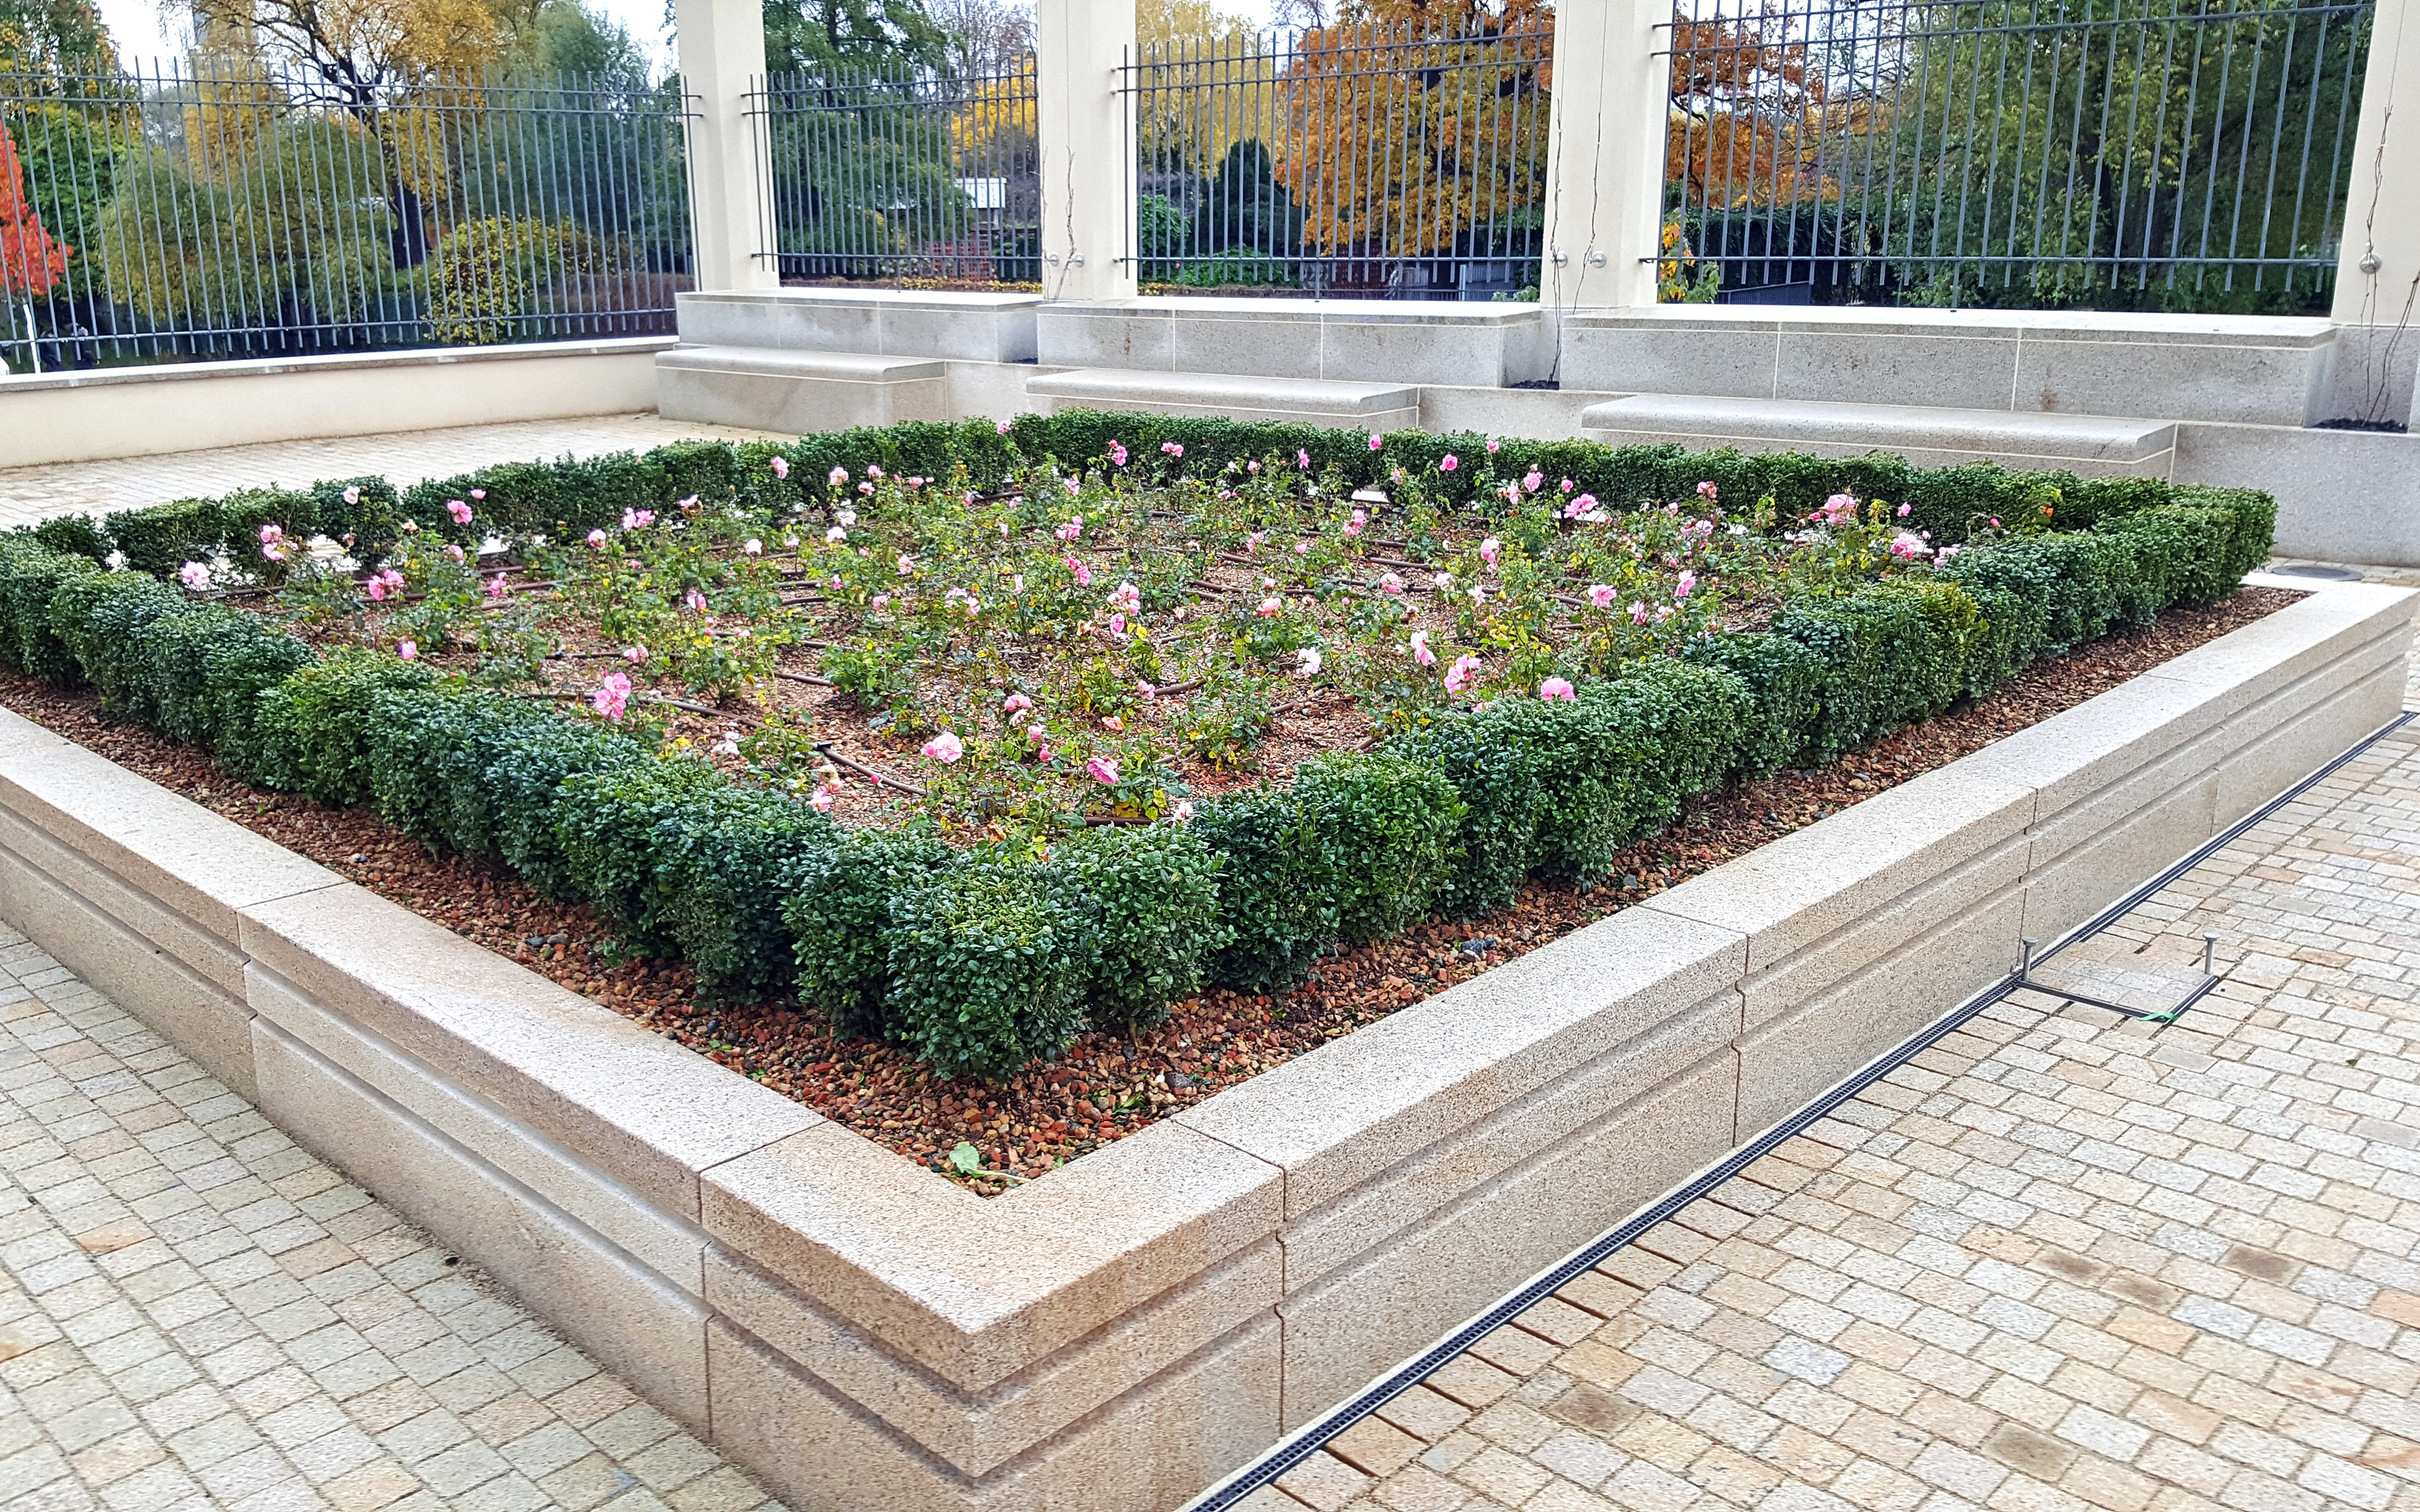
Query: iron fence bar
[2072, 152]
[225, 207]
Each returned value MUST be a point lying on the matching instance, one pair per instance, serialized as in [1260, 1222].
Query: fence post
[721, 52]
[1088, 151]
[1604, 157]
[2378, 273]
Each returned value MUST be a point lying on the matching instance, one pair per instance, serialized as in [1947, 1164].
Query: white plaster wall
[147, 411]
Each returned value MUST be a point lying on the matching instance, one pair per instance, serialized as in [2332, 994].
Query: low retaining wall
[1119, 1335]
[2256, 369]
[184, 407]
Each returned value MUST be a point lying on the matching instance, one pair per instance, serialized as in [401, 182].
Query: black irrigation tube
[1418, 1368]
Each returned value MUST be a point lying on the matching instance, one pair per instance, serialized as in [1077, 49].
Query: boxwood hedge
[982, 958]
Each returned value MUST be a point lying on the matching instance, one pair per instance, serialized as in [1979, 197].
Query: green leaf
[966, 1160]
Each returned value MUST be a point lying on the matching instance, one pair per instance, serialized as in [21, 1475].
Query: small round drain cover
[2334, 575]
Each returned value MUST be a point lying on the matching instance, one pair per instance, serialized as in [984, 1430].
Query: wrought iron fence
[890, 176]
[236, 209]
[1354, 159]
[2155, 154]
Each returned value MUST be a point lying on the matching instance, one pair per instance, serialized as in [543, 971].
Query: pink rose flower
[1556, 687]
[1103, 770]
[945, 748]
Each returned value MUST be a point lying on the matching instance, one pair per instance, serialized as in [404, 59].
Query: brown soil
[1105, 1087]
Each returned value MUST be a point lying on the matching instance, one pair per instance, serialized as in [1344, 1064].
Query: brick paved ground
[194, 1312]
[28, 494]
[2057, 1262]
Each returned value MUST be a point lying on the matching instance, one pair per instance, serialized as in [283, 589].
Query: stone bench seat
[780, 388]
[1928, 437]
[1306, 401]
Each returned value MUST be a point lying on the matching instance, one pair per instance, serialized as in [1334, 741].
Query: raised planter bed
[1122, 1334]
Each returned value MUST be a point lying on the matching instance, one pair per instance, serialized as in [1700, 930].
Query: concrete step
[1929, 437]
[780, 390]
[1310, 401]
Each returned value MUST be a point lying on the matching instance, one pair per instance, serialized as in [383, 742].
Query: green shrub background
[982, 958]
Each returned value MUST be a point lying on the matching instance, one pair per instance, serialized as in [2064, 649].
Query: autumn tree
[385, 65]
[1747, 114]
[1414, 123]
[31, 259]
[53, 40]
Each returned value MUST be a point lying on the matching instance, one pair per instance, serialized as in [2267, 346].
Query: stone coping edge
[867, 1335]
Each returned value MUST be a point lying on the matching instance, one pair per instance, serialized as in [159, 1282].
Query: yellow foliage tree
[395, 69]
[997, 116]
[1210, 82]
[1414, 120]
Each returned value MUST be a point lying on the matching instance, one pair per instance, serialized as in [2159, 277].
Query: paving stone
[156, 1365]
[2059, 1262]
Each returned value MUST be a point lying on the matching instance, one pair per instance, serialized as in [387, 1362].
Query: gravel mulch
[1106, 1086]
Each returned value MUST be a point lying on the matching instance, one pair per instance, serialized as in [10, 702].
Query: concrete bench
[794, 392]
[1306, 401]
[2100, 444]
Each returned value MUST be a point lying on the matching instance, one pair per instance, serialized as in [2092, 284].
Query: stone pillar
[1088, 152]
[2377, 276]
[1605, 161]
[722, 57]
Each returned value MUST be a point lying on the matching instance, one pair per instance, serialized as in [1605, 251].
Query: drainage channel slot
[1311, 1438]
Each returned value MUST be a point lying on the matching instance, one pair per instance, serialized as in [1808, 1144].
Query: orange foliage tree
[31, 259]
[1747, 115]
[1411, 121]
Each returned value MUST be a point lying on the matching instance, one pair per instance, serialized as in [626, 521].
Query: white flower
[1306, 663]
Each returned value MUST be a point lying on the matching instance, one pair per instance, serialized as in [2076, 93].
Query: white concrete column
[1088, 152]
[1605, 161]
[722, 55]
[2382, 236]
